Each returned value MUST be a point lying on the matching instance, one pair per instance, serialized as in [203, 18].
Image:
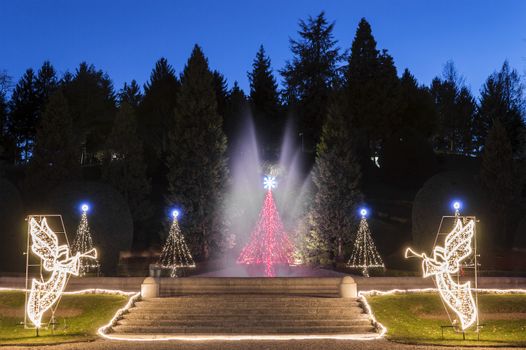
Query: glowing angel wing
[458, 246]
[45, 243]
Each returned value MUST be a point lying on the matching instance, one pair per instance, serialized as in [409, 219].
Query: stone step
[122, 329]
[255, 309]
[248, 303]
[239, 322]
[138, 315]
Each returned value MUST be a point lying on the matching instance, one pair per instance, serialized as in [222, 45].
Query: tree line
[169, 141]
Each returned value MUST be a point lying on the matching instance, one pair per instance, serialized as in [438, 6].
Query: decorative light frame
[446, 262]
[55, 260]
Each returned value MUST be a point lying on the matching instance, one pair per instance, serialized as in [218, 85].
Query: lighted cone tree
[364, 255]
[83, 243]
[175, 253]
[269, 244]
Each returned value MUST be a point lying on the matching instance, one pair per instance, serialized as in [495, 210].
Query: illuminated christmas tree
[364, 255]
[175, 252]
[84, 243]
[269, 244]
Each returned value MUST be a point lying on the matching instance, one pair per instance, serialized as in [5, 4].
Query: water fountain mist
[245, 195]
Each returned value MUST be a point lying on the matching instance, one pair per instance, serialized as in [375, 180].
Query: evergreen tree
[456, 110]
[196, 155]
[5, 139]
[23, 116]
[498, 179]
[156, 112]
[373, 89]
[92, 105]
[310, 76]
[124, 166]
[221, 89]
[46, 83]
[56, 153]
[337, 177]
[130, 94]
[264, 99]
[502, 98]
[236, 111]
[417, 109]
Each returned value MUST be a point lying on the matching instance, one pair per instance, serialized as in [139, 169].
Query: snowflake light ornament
[269, 182]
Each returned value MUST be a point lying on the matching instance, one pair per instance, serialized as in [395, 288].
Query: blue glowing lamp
[457, 205]
[269, 182]
[84, 207]
[363, 212]
[175, 213]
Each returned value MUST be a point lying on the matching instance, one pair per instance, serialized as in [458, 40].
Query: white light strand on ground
[364, 255]
[55, 259]
[175, 252]
[446, 261]
[83, 242]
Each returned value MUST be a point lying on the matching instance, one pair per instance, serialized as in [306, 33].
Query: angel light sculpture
[447, 261]
[55, 259]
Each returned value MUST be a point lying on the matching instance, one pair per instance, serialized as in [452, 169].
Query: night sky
[125, 38]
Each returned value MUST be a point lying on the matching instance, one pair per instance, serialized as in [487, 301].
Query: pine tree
[498, 179]
[337, 177]
[46, 83]
[196, 155]
[373, 89]
[131, 94]
[264, 99]
[502, 98]
[23, 116]
[310, 76]
[56, 153]
[92, 105]
[221, 89]
[124, 167]
[456, 110]
[417, 109]
[236, 111]
[156, 112]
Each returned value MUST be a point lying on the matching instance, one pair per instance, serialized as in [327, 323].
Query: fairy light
[447, 261]
[269, 244]
[175, 252]
[365, 255]
[83, 242]
[55, 259]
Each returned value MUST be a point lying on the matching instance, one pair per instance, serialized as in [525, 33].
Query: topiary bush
[434, 200]
[13, 230]
[109, 218]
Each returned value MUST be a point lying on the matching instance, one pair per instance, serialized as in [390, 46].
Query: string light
[364, 255]
[446, 261]
[269, 244]
[55, 259]
[83, 243]
[175, 252]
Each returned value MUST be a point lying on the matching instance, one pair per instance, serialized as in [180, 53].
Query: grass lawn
[78, 317]
[416, 318]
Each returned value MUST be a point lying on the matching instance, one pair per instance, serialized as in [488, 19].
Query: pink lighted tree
[269, 244]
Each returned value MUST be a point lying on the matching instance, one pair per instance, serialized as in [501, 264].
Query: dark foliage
[196, 160]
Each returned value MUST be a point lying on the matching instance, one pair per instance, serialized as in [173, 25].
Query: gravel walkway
[242, 345]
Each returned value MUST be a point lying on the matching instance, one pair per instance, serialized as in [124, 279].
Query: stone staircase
[244, 314]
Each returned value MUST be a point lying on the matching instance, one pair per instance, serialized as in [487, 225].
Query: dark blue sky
[125, 38]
